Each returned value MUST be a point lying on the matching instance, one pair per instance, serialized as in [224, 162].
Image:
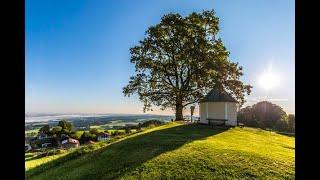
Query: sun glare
[269, 80]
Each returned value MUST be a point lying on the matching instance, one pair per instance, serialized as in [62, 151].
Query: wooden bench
[221, 122]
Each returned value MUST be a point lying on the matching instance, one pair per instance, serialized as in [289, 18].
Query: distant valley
[86, 121]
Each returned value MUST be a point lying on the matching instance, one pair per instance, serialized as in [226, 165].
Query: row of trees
[267, 115]
[63, 127]
[93, 133]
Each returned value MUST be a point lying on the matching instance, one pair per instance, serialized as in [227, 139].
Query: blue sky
[78, 60]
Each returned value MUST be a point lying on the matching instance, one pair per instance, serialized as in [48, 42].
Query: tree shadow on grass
[113, 161]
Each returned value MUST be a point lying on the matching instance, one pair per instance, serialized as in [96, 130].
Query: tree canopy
[265, 114]
[180, 60]
[65, 125]
[45, 129]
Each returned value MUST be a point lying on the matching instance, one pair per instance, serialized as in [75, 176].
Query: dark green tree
[87, 136]
[291, 122]
[56, 130]
[64, 124]
[94, 131]
[127, 130]
[268, 113]
[45, 129]
[180, 60]
[139, 127]
[264, 114]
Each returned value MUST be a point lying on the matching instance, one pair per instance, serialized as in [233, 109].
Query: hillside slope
[176, 151]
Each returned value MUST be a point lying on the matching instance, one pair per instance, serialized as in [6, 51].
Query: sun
[269, 80]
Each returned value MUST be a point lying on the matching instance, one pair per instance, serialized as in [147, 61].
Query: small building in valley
[218, 107]
[70, 143]
[102, 136]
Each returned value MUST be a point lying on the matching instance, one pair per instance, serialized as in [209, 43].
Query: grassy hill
[176, 151]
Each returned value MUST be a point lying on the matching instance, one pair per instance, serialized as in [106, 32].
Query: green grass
[30, 131]
[113, 123]
[28, 155]
[176, 151]
[113, 130]
[35, 162]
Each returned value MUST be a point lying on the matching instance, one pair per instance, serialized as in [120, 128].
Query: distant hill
[175, 151]
[44, 118]
[81, 121]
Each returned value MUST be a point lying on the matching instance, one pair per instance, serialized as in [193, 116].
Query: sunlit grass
[176, 151]
[37, 162]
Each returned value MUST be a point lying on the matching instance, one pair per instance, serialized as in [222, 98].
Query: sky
[78, 60]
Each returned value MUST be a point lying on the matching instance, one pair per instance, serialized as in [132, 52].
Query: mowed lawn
[176, 151]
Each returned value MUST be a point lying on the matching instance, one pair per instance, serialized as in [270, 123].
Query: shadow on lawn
[113, 161]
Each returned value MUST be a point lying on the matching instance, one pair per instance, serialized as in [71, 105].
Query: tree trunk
[179, 108]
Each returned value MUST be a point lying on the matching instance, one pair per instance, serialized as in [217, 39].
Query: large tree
[264, 114]
[267, 113]
[180, 60]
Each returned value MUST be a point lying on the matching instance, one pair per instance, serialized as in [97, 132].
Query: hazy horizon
[78, 59]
